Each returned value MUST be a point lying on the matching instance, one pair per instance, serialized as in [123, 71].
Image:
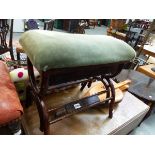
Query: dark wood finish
[93, 23]
[111, 104]
[151, 28]
[57, 78]
[73, 26]
[4, 29]
[48, 25]
[66, 24]
[147, 70]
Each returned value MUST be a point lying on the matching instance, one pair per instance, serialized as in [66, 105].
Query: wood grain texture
[147, 70]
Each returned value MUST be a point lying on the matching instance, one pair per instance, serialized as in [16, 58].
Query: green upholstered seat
[52, 50]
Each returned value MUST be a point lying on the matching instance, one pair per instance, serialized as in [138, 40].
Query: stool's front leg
[38, 95]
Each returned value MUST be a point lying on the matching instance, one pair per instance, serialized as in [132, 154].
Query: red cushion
[10, 106]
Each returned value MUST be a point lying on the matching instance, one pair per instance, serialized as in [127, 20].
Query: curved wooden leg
[46, 129]
[113, 98]
[107, 88]
[43, 115]
[38, 97]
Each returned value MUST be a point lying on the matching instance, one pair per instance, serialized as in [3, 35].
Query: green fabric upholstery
[51, 50]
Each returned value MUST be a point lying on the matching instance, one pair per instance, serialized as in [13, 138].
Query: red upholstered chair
[10, 106]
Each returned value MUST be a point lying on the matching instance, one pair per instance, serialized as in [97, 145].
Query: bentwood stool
[64, 59]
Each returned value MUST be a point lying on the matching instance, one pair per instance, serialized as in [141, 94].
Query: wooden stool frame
[69, 76]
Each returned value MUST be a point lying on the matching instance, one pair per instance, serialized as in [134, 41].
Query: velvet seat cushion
[51, 50]
[10, 107]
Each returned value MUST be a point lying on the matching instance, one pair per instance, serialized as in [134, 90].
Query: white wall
[18, 25]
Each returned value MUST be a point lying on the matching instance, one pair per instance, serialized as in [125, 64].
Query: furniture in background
[31, 24]
[65, 24]
[147, 70]
[10, 107]
[93, 23]
[106, 22]
[148, 50]
[62, 24]
[142, 86]
[145, 88]
[116, 29]
[73, 24]
[75, 27]
[49, 24]
[141, 23]
[141, 47]
[131, 32]
[134, 36]
[4, 30]
[116, 34]
[148, 87]
[136, 32]
[70, 25]
[117, 24]
[146, 37]
[148, 65]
